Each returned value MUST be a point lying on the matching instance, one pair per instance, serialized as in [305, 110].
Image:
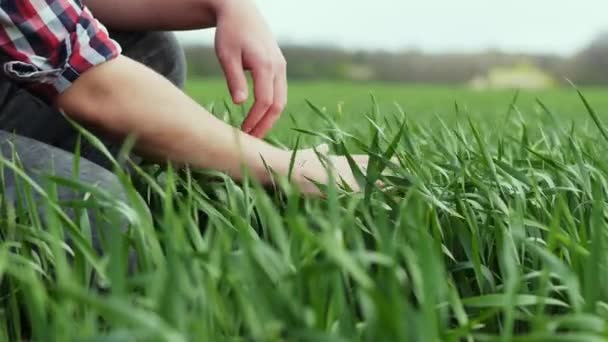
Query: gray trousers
[44, 140]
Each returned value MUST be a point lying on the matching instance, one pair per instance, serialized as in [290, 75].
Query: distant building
[359, 72]
[521, 76]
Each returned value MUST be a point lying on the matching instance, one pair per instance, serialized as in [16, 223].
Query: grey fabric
[40, 160]
[44, 140]
[160, 51]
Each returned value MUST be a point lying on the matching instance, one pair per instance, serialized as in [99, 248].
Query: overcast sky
[556, 26]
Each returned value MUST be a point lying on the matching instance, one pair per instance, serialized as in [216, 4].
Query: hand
[244, 42]
[311, 169]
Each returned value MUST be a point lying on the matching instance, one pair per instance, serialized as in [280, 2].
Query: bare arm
[155, 15]
[124, 97]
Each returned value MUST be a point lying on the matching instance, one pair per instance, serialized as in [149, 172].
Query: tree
[590, 65]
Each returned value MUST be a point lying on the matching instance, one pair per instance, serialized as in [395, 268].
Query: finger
[323, 149]
[235, 77]
[361, 159]
[277, 107]
[263, 86]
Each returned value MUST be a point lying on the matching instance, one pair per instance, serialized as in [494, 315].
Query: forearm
[156, 15]
[124, 97]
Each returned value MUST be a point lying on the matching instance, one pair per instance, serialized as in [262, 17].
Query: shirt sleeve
[47, 44]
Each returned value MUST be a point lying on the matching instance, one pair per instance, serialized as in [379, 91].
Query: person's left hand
[310, 169]
[244, 42]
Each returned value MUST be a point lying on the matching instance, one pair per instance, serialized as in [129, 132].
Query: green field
[351, 102]
[492, 226]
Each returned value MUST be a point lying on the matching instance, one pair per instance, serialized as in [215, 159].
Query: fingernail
[240, 96]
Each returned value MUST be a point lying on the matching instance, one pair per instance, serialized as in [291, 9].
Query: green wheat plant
[485, 230]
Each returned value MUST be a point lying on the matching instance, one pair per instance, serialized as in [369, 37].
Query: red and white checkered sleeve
[47, 44]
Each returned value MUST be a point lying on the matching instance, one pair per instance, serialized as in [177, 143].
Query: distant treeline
[588, 67]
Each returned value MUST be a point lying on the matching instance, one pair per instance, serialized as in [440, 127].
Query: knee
[159, 51]
[168, 57]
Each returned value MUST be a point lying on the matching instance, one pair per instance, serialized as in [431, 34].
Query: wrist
[228, 8]
[212, 9]
[218, 7]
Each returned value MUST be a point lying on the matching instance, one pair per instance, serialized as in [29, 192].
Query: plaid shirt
[47, 44]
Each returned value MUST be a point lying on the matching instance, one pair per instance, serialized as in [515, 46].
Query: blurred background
[533, 44]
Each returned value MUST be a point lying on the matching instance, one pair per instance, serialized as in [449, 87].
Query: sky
[533, 26]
